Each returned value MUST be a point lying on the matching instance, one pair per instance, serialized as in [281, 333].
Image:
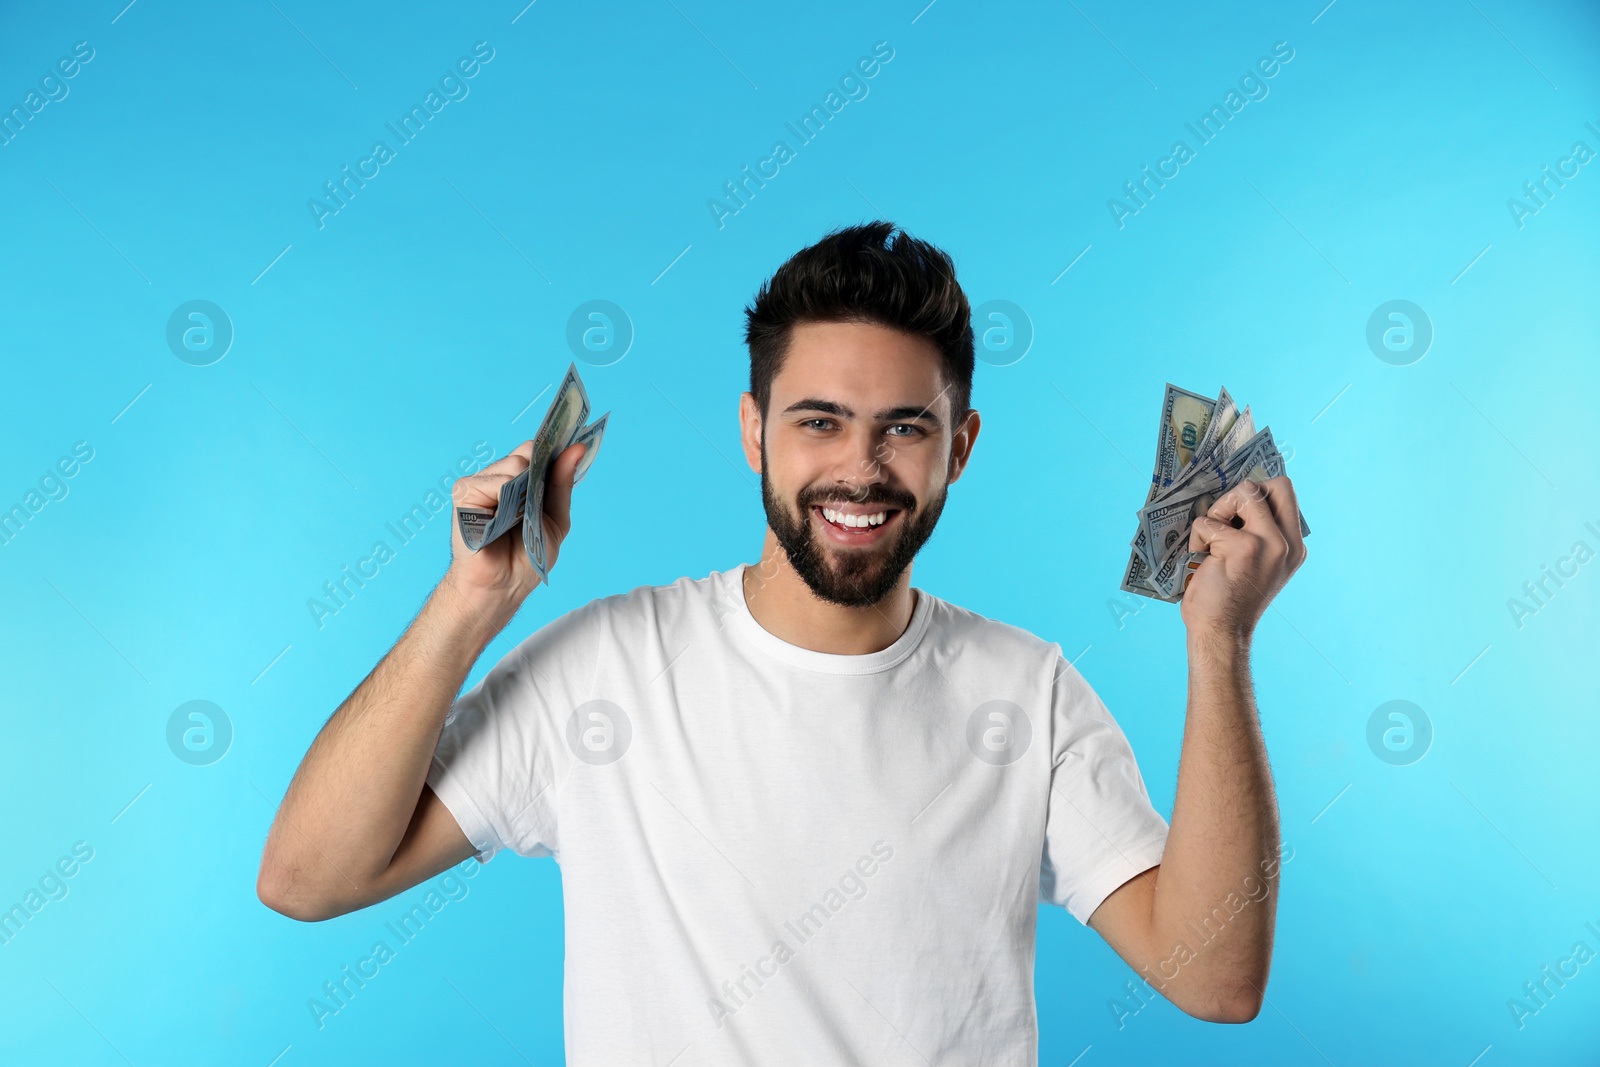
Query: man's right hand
[497, 578]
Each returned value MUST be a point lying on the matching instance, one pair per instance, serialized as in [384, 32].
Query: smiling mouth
[854, 527]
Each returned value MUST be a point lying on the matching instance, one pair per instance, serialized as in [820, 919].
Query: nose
[861, 459]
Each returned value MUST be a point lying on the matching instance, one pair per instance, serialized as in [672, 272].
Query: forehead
[860, 363]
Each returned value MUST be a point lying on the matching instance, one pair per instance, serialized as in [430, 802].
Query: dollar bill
[590, 439]
[479, 527]
[1256, 462]
[1204, 448]
[1186, 422]
[1223, 416]
[521, 502]
[1184, 418]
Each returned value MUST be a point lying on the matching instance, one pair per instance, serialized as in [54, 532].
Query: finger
[1286, 512]
[1214, 536]
[482, 490]
[1247, 502]
[514, 462]
[558, 490]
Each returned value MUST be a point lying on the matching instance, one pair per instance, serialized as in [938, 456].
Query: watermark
[199, 733]
[1199, 935]
[199, 333]
[1399, 733]
[1137, 193]
[339, 192]
[599, 332]
[53, 487]
[1399, 332]
[998, 732]
[1552, 579]
[1537, 993]
[850, 887]
[805, 130]
[599, 732]
[1538, 192]
[338, 592]
[1125, 606]
[338, 992]
[53, 89]
[52, 886]
[1004, 332]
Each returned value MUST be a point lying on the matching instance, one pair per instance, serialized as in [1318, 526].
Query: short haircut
[870, 273]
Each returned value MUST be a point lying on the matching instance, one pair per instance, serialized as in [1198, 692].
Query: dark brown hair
[870, 273]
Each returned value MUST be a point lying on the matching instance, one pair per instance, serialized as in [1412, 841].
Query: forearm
[1216, 889]
[353, 797]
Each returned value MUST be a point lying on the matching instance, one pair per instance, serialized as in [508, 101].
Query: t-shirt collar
[745, 624]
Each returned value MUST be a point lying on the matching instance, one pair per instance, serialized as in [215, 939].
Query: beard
[853, 577]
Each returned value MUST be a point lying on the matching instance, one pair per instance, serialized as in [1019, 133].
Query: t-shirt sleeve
[1101, 828]
[501, 755]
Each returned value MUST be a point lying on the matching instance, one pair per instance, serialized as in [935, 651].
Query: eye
[816, 424]
[912, 430]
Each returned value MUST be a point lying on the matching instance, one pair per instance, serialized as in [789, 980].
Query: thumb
[558, 490]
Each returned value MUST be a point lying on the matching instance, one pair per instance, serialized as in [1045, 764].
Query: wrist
[469, 613]
[1219, 646]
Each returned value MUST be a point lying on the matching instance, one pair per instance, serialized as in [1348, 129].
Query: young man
[804, 812]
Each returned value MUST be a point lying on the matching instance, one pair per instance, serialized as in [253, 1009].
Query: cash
[1204, 447]
[521, 502]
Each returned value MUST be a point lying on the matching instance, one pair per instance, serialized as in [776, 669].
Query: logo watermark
[998, 732]
[1139, 192]
[199, 733]
[52, 488]
[599, 732]
[805, 130]
[52, 886]
[199, 333]
[849, 888]
[1004, 332]
[339, 591]
[338, 992]
[1538, 592]
[337, 194]
[599, 332]
[1399, 733]
[1399, 332]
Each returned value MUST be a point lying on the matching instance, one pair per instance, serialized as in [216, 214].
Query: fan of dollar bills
[1204, 447]
[522, 498]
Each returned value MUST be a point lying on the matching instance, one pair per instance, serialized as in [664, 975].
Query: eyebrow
[903, 413]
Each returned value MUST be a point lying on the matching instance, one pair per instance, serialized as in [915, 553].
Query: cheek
[923, 470]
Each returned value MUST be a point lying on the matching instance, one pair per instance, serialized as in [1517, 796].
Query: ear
[750, 430]
[965, 437]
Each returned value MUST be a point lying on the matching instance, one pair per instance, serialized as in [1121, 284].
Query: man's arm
[1199, 927]
[358, 823]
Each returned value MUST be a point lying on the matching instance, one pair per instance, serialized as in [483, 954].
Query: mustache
[822, 496]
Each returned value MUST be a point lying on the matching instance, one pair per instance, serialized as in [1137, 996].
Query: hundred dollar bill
[1206, 469]
[521, 500]
[1204, 448]
[1186, 421]
[479, 527]
[1257, 462]
[1222, 419]
[590, 439]
[1184, 418]
[560, 428]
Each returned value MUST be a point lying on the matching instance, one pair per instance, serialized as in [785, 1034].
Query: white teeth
[858, 521]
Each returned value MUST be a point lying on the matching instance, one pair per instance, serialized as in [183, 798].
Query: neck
[784, 606]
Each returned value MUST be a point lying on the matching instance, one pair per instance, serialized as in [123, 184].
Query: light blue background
[430, 311]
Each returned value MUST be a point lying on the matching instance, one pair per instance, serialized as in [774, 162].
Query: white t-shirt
[772, 855]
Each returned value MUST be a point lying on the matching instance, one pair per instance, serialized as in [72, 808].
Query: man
[804, 812]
